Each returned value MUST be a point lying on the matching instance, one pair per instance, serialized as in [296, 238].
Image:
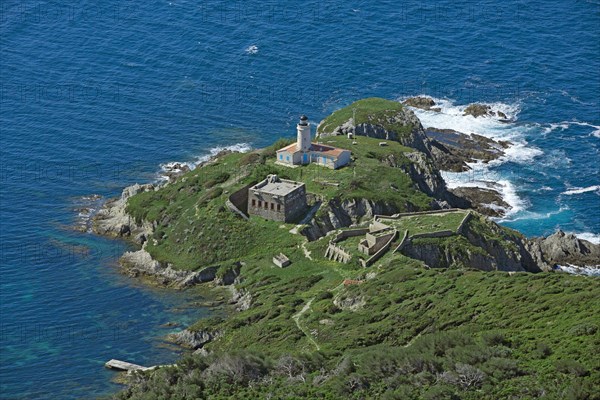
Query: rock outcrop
[193, 339]
[113, 220]
[486, 201]
[452, 150]
[402, 126]
[563, 248]
[339, 214]
[141, 263]
[240, 298]
[424, 103]
[495, 248]
[483, 110]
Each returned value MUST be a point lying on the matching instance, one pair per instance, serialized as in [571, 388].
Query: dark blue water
[95, 96]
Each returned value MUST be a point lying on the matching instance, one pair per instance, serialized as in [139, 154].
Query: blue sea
[98, 95]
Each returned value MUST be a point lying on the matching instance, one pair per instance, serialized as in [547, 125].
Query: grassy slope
[419, 333]
[373, 110]
[428, 223]
[525, 334]
[195, 229]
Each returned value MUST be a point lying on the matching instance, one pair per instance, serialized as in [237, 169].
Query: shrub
[543, 350]
[236, 369]
[325, 295]
[570, 366]
[465, 376]
[495, 339]
[249, 158]
[220, 178]
[583, 330]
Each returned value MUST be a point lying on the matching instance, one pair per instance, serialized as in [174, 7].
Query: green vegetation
[414, 334]
[195, 229]
[416, 224]
[396, 330]
[373, 110]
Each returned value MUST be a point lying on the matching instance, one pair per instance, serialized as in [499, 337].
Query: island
[354, 272]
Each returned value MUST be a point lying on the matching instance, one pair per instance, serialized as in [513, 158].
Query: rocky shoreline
[112, 219]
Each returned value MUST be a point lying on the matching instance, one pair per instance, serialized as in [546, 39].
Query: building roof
[319, 148]
[327, 150]
[292, 147]
[277, 187]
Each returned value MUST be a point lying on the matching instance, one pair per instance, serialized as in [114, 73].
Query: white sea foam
[252, 49]
[176, 166]
[576, 270]
[482, 177]
[552, 127]
[589, 236]
[451, 116]
[580, 190]
[595, 132]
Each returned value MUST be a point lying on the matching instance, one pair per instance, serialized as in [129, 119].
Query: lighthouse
[304, 152]
[303, 142]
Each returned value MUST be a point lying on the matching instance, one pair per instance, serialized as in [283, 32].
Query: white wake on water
[580, 190]
[252, 49]
[565, 125]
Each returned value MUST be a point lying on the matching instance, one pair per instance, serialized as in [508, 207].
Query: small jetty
[124, 366]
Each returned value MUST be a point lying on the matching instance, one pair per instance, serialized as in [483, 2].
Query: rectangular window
[278, 207]
[281, 156]
[259, 203]
[272, 206]
[253, 202]
[287, 158]
[266, 205]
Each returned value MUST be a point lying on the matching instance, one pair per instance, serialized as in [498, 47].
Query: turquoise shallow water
[95, 96]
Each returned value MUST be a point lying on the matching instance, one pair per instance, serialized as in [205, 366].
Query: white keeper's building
[304, 152]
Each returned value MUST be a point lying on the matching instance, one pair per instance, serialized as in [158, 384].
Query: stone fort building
[305, 152]
[277, 199]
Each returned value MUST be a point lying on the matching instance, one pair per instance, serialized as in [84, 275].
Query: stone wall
[403, 242]
[381, 252]
[437, 234]
[336, 253]
[238, 201]
[463, 223]
[295, 204]
[275, 208]
[350, 233]
[408, 214]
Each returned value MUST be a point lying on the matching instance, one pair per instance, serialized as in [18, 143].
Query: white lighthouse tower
[303, 142]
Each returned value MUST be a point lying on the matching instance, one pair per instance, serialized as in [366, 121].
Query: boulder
[565, 248]
[477, 110]
[424, 103]
[193, 339]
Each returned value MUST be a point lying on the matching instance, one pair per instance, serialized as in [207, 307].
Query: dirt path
[296, 318]
[305, 250]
